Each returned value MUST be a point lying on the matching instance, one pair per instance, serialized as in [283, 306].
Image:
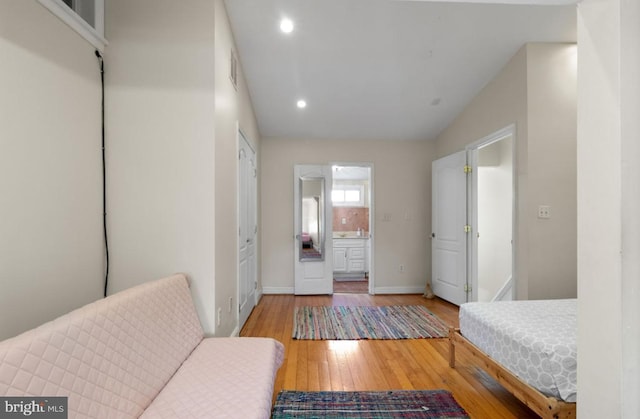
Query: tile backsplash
[354, 217]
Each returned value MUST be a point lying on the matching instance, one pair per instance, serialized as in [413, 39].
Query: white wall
[402, 189]
[608, 208]
[172, 187]
[499, 104]
[551, 177]
[629, 111]
[160, 144]
[233, 109]
[51, 252]
[536, 92]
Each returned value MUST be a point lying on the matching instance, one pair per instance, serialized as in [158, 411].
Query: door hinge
[467, 168]
[467, 288]
[467, 228]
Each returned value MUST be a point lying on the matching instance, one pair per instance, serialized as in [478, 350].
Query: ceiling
[379, 69]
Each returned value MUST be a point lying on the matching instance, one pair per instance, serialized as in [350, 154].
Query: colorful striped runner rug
[367, 404]
[367, 322]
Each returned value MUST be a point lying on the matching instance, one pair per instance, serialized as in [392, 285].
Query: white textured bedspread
[536, 340]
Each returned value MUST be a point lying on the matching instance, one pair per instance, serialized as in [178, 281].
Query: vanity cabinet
[350, 256]
[339, 259]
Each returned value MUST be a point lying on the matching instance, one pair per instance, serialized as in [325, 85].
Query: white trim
[400, 290]
[277, 290]
[472, 207]
[99, 19]
[95, 36]
[235, 333]
[506, 290]
[511, 2]
[371, 242]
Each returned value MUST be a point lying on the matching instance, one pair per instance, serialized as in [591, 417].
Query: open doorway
[492, 217]
[351, 198]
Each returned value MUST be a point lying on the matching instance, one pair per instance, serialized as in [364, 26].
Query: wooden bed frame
[545, 406]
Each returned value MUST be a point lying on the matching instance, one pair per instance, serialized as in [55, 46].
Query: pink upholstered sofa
[141, 353]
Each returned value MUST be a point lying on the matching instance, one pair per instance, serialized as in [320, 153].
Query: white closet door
[247, 229]
[449, 217]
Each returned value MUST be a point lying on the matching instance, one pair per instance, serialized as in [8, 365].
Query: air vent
[233, 69]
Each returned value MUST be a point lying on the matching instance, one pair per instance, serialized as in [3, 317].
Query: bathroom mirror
[312, 227]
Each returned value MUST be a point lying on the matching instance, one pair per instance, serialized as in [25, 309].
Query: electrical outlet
[401, 268]
[219, 316]
[544, 211]
[230, 304]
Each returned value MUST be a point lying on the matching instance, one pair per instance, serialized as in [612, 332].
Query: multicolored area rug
[367, 322]
[367, 404]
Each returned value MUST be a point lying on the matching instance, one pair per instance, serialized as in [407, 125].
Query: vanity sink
[350, 235]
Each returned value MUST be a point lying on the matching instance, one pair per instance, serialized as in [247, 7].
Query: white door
[313, 272]
[247, 229]
[449, 218]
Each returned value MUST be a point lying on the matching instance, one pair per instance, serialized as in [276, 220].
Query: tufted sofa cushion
[111, 357]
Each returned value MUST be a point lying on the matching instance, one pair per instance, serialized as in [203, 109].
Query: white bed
[528, 342]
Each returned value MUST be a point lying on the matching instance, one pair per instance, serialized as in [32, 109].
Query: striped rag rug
[366, 322]
[367, 404]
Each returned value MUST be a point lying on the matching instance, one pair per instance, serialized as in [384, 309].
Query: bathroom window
[348, 196]
[84, 16]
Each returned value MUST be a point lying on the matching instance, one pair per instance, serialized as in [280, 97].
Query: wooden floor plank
[413, 364]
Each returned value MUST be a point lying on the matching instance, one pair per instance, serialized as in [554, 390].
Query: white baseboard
[399, 290]
[235, 333]
[377, 290]
[277, 290]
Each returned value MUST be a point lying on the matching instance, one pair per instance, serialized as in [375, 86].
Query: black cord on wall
[104, 180]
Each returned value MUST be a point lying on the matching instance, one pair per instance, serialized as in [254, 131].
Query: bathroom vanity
[350, 256]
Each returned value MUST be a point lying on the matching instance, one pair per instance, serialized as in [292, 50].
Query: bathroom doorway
[352, 202]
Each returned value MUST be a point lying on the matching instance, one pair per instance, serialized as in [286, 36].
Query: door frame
[472, 206]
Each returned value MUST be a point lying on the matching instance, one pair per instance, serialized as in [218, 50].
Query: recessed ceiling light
[301, 104]
[286, 25]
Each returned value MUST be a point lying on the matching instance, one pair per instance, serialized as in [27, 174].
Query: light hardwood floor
[412, 364]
